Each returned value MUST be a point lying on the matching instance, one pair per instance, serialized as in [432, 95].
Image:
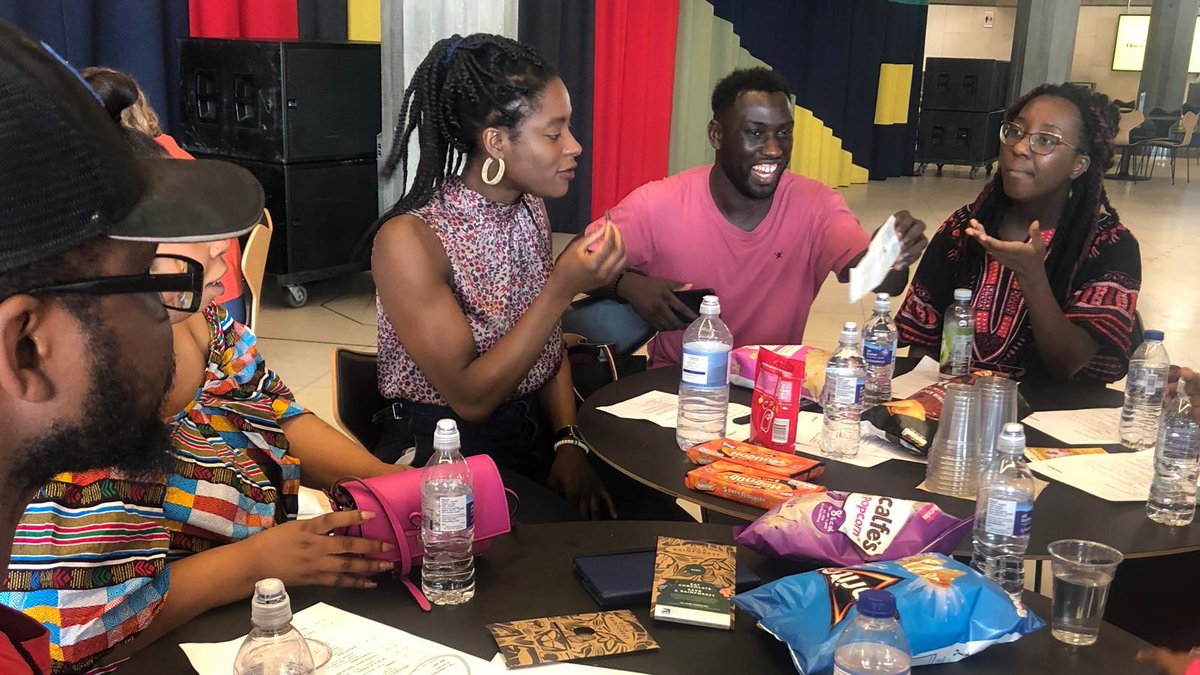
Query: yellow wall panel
[895, 87]
[362, 20]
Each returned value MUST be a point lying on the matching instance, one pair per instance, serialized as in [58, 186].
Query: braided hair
[1087, 205]
[464, 85]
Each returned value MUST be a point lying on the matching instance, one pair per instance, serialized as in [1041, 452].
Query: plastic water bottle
[704, 386]
[879, 352]
[273, 646]
[958, 336]
[1145, 389]
[1176, 465]
[845, 379]
[1004, 512]
[874, 643]
[447, 521]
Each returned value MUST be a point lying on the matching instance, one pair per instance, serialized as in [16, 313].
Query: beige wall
[958, 31]
[1094, 51]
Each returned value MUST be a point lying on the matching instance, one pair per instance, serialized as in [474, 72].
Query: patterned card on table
[694, 583]
[569, 638]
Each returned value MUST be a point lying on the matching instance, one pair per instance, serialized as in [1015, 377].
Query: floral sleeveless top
[500, 256]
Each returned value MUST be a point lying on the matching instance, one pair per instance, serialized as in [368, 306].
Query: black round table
[648, 453]
[529, 574]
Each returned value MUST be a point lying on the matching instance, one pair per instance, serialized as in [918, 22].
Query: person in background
[126, 102]
[765, 239]
[469, 296]
[224, 508]
[85, 342]
[1055, 274]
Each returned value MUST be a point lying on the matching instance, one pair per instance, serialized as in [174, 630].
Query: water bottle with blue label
[704, 383]
[842, 399]
[879, 352]
[1145, 390]
[1004, 512]
[447, 521]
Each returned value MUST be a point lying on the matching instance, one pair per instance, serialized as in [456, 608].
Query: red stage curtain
[634, 80]
[253, 19]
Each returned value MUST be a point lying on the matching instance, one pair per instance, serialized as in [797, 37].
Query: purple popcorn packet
[852, 528]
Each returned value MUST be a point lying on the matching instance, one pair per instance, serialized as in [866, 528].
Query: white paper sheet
[562, 668]
[360, 645]
[1090, 426]
[875, 265]
[1114, 477]
[872, 450]
[662, 408]
[925, 374]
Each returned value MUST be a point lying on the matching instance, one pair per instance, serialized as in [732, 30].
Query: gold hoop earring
[487, 165]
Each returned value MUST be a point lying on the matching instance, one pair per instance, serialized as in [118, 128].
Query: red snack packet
[746, 485]
[776, 402]
[756, 457]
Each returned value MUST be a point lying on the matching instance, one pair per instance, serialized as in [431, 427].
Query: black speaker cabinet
[979, 85]
[956, 137]
[280, 101]
[321, 211]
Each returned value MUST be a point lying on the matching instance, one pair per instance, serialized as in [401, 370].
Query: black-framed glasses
[179, 281]
[1040, 142]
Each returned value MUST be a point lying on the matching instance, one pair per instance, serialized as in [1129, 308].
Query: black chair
[356, 395]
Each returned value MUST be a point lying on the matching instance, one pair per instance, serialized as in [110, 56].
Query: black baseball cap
[67, 174]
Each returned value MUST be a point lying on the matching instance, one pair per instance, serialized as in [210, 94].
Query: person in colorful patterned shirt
[85, 343]
[109, 561]
[1055, 274]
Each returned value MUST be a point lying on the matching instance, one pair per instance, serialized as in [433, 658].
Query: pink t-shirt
[766, 279]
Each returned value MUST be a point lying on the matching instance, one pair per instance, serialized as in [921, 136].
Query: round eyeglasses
[1040, 142]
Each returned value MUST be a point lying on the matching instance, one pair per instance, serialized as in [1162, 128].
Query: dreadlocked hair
[1088, 202]
[464, 85]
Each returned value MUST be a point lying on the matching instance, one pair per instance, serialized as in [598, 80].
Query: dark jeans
[515, 436]
[518, 439]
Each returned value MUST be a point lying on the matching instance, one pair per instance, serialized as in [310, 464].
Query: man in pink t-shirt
[763, 238]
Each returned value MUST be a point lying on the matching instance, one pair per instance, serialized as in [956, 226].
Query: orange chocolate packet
[747, 485]
[756, 457]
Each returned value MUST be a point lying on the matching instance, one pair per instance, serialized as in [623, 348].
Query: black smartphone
[693, 297]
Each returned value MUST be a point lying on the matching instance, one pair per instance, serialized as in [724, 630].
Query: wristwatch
[570, 435]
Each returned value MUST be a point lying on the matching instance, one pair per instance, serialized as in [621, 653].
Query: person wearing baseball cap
[85, 342]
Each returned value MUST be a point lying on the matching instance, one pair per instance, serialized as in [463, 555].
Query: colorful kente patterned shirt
[90, 554]
[1102, 302]
[500, 257]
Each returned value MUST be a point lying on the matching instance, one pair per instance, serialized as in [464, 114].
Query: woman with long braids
[1055, 274]
[469, 296]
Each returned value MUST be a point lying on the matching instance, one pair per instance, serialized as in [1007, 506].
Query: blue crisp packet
[948, 610]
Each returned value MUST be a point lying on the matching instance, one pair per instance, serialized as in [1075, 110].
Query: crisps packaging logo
[845, 586]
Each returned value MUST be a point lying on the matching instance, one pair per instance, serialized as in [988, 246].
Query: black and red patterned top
[500, 259]
[1102, 302]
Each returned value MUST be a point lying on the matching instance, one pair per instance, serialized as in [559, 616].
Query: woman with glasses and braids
[1055, 274]
[469, 295]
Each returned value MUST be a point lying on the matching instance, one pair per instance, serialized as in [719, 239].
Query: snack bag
[755, 457]
[743, 366]
[776, 401]
[851, 528]
[948, 611]
[746, 485]
[913, 422]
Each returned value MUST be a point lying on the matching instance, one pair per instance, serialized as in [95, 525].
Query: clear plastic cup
[954, 456]
[1083, 571]
[998, 406]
